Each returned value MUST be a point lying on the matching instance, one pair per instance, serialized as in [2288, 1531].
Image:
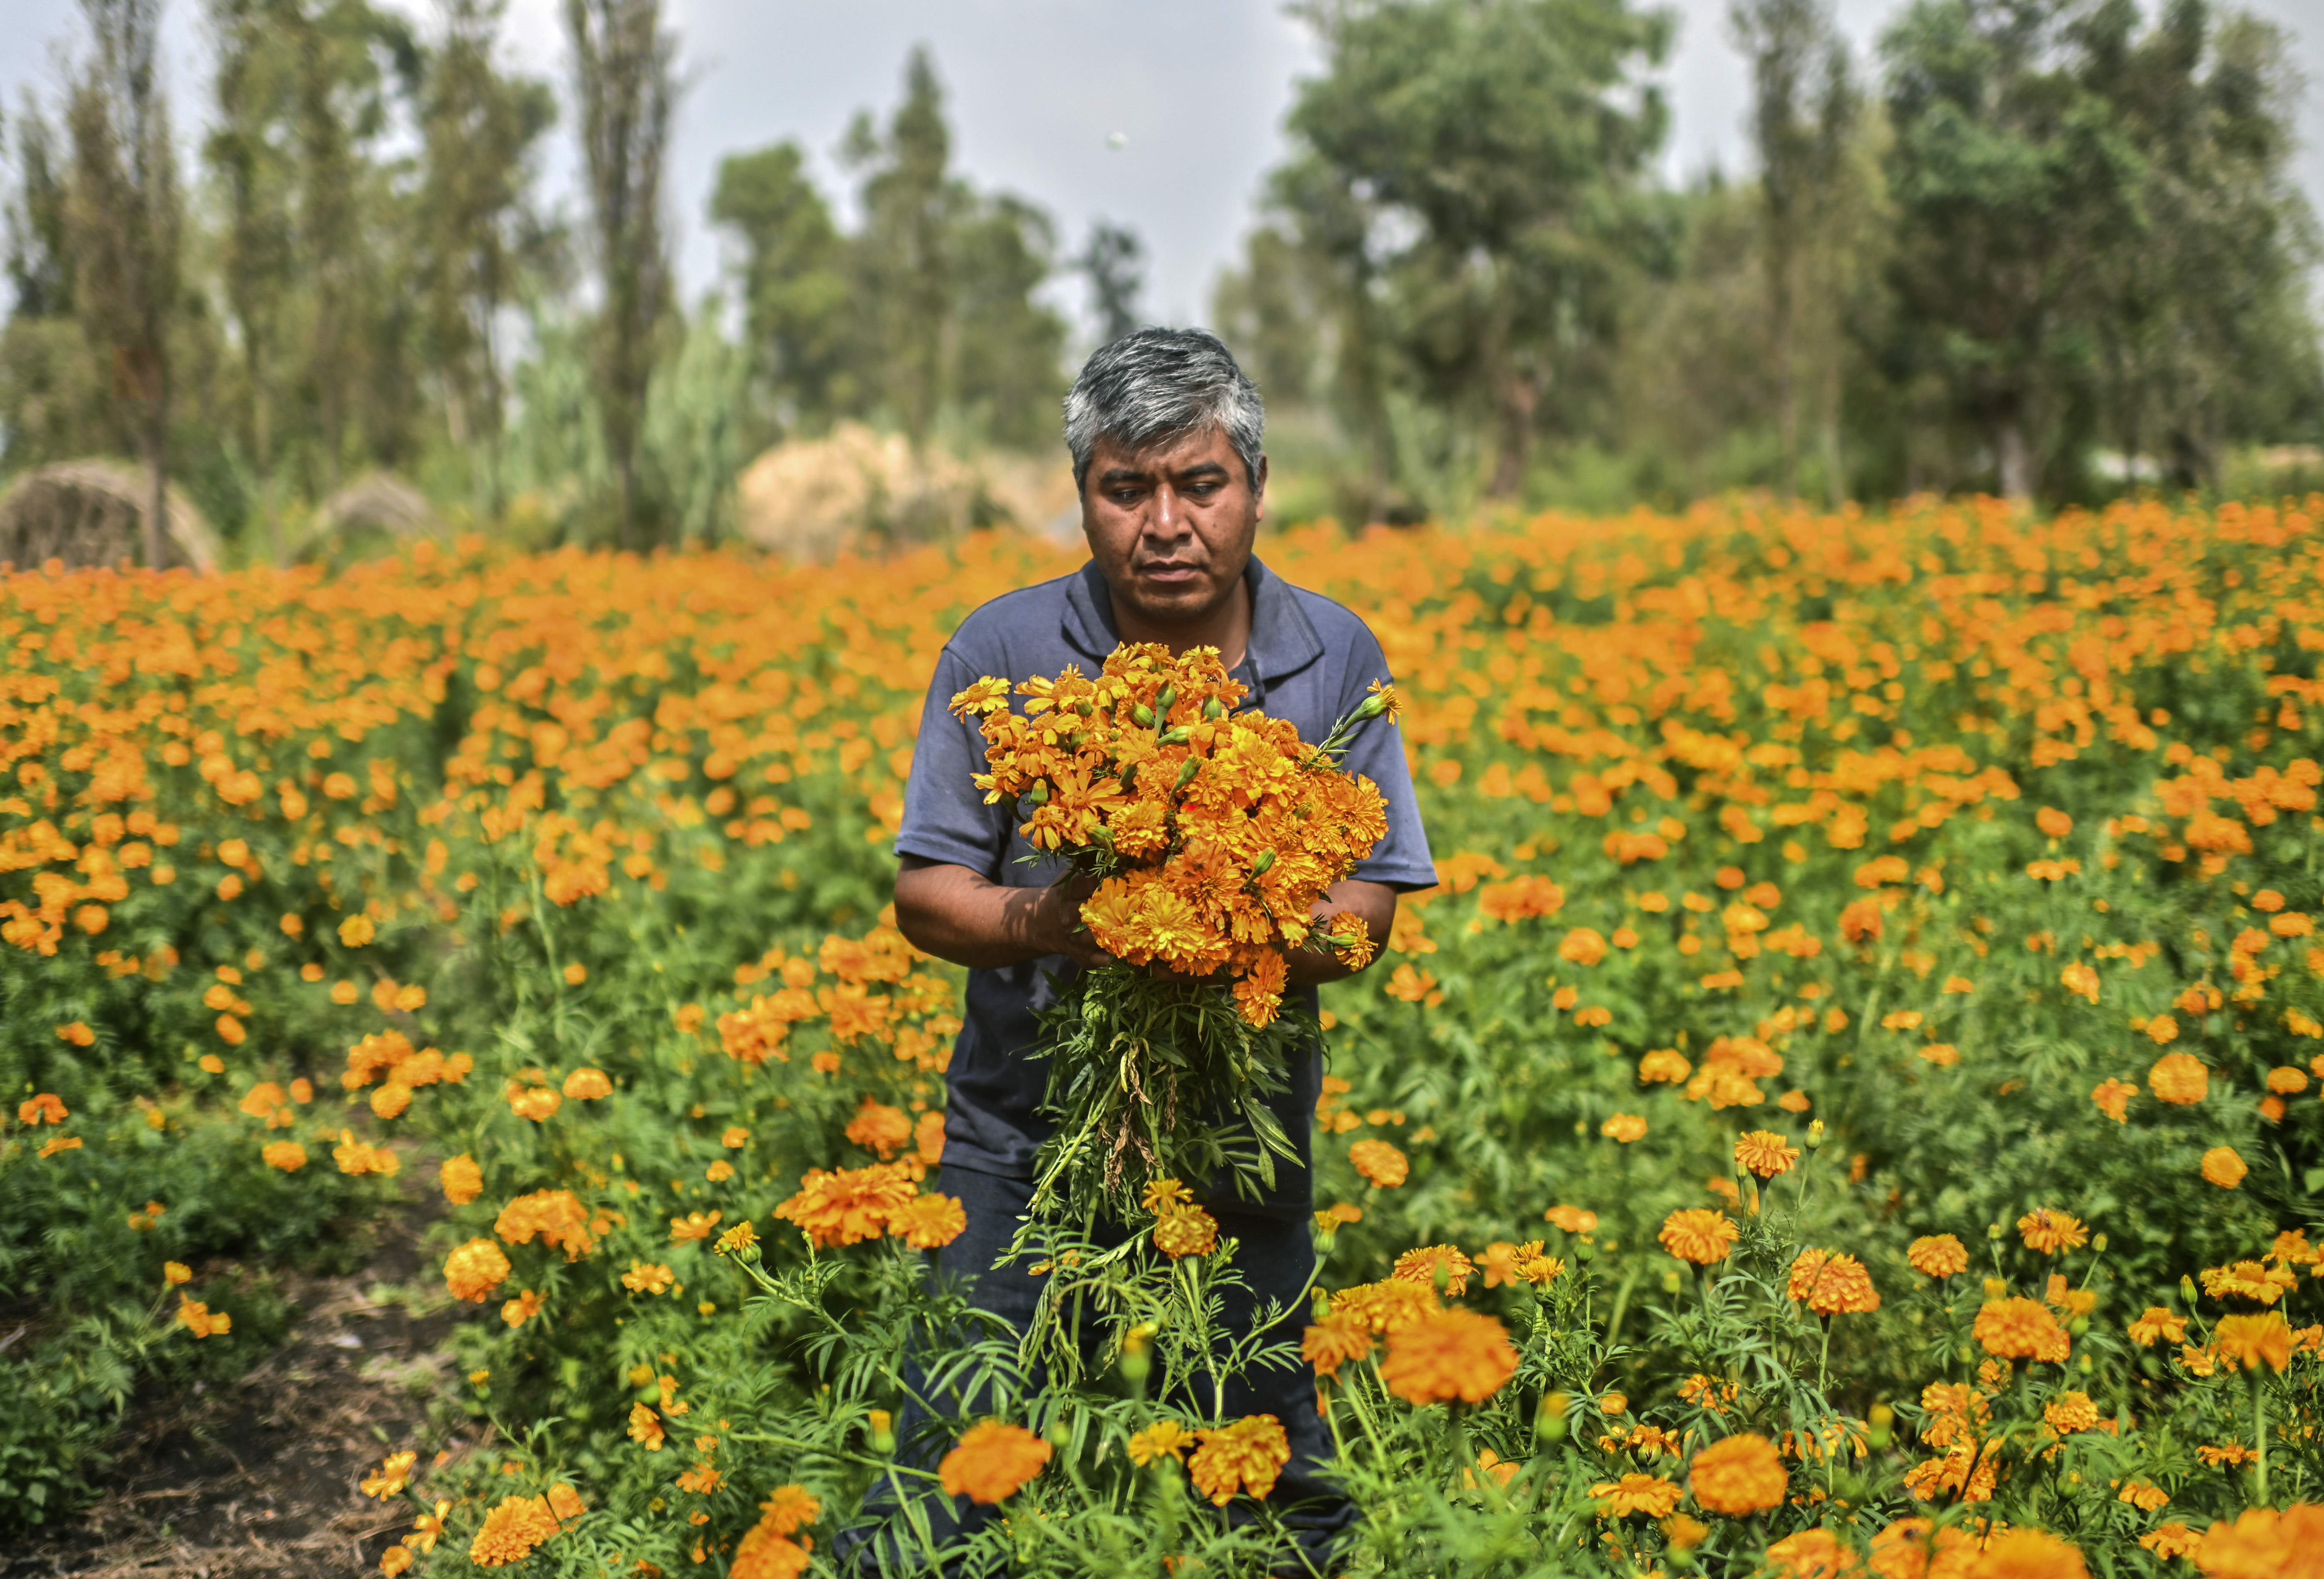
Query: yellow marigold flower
[587, 1084]
[1696, 1234]
[737, 1238]
[1651, 1495]
[930, 1221]
[2249, 1280]
[1424, 1265]
[2224, 1166]
[1624, 1128]
[1162, 1439]
[2050, 1232]
[1380, 1162]
[395, 1560]
[537, 1102]
[1811, 1554]
[1939, 1255]
[388, 1480]
[2021, 1329]
[462, 1179]
[1738, 1474]
[510, 1532]
[1448, 1354]
[2251, 1340]
[556, 1217]
[287, 1155]
[1831, 1284]
[356, 930]
[516, 1312]
[992, 1460]
[645, 1427]
[2178, 1079]
[1185, 1231]
[475, 1270]
[2068, 1412]
[2158, 1323]
[176, 1273]
[849, 1205]
[1245, 1457]
[1766, 1153]
[2143, 1494]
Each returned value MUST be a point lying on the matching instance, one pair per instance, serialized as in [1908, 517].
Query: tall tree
[2011, 179]
[798, 299]
[1114, 260]
[1803, 117]
[40, 274]
[911, 206]
[1496, 144]
[123, 219]
[478, 129]
[624, 87]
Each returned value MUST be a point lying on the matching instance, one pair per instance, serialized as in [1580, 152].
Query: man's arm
[966, 918]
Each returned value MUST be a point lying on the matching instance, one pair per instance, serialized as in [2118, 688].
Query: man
[1164, 433]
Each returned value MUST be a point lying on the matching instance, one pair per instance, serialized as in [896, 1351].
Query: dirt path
[257, 1480]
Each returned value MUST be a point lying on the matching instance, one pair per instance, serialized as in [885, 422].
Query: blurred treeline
[2047, 248]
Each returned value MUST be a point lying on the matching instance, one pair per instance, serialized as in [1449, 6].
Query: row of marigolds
[2037, 1445]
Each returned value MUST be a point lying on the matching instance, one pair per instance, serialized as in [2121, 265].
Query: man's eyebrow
[1123, 473]
[1203, 468]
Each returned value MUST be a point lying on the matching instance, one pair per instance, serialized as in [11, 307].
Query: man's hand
[1374, 901]
[966, 918]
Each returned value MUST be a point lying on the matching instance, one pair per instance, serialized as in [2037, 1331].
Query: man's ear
[1259, 489]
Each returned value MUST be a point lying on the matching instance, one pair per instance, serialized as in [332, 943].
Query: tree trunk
[157, 480]
[1781, 316]
[2012, 461]
[1518, 398]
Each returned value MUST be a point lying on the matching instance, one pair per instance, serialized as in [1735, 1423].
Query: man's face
[1171, 527]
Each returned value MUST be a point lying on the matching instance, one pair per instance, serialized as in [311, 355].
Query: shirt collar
[1283, 642]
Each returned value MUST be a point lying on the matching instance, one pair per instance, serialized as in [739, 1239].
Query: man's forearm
[966, 918]
[1374, 901]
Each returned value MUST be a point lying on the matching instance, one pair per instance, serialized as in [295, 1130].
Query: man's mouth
[1171, 571]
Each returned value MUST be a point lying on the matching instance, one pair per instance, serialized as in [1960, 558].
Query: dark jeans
[1274, 1260]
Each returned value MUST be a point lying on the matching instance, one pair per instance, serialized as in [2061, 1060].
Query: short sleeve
[1400, 860]
[945, 817]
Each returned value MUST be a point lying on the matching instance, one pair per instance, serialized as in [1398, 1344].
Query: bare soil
[258, 1480]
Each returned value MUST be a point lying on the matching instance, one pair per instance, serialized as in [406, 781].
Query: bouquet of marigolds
[1211, 836]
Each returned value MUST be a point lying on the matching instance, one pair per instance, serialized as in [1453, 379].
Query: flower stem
[2259, 1431]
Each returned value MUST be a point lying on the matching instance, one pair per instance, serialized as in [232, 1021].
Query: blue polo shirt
[1309, 660]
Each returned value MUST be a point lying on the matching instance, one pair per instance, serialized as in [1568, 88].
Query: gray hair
[1159, 384]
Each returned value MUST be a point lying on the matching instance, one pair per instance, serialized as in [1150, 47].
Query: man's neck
[1226, 627]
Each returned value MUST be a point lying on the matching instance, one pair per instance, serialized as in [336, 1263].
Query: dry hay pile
[86, 513]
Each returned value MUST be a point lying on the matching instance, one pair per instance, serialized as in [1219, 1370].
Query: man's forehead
[1174, 452]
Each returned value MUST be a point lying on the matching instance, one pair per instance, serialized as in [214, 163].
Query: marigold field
[1850, 1106]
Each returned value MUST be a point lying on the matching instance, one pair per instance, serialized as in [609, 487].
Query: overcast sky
[1040, 91]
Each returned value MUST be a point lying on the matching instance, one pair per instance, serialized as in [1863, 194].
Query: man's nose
[1168, 517]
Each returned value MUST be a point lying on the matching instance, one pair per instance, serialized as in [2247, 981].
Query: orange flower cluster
[851, 1205]
[767, 1549]
[2021, 1329]
[1831, 1284]
[992, 1460]
[1215, 833]
[1738, 1475]
[1246, 1456]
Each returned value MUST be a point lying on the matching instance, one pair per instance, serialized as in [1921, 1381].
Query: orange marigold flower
[1939, 1255]
[1572, 1219]
[2113, 1097]
[1914, 1548]
[1811, 1554]
[2178, 1079]
[388, 1480]
[1342, 1336]
[587, 1084]
[648, 1277]
[1380, 1162]
[992, 1460]
[2224, 1166]
[1448, 1354]
[201, 1320]
[475, 1270]
[1183, 1231]
[2251, 1340]
[2262, 1543]
[2143, 1494]
[287, 1155]
[1766, 1153]
[1424, 1265]
[2021, 1329]
[2174, 1539]
[1245, 1457]
[2030, 1554]
[1697, 1234]
[43, 1109]
[395, 1560]
[510, 1532]
[1831, 1284]
[877, 1127]
[2158, 1323]
[926, 1222]
[516, 1312]
[462, 1179]
[176, 1273]
[849, 1205]
[1738, 1474]
[2050, 1232]
[2068, 1412]
[1651, 1495]
[693, 1225]
[1624, 1128]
